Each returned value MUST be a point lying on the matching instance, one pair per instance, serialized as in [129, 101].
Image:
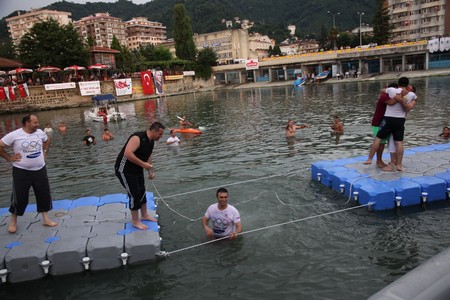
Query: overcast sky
[9, 6]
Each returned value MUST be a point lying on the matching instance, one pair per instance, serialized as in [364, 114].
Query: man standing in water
[30, 145]
[225, 218]
[134, 157]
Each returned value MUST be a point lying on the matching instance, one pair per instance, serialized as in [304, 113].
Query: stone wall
[40, 99]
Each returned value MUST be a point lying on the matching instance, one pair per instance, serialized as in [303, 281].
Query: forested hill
[271, 15]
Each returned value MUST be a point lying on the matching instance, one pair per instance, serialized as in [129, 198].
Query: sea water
[347, 255]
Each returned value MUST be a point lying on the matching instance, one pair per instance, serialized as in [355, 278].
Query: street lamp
[334, 17]
[360, 31]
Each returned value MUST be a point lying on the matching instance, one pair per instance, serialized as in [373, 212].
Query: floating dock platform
[94, 233]
[426, 178]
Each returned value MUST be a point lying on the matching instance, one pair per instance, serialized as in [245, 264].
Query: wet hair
[171, 131]
[403, 81]
[106, 129]
[393, 85]
[87, 130]
[26, 119]
[156, 126]
[221, 190]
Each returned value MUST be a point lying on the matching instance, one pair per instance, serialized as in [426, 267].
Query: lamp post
[360, 31]
[334, 17]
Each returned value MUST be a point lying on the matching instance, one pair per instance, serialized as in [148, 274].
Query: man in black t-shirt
[134, 157]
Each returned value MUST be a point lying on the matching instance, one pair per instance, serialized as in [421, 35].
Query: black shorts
[23, 180]
[394, 126]
[134, 184]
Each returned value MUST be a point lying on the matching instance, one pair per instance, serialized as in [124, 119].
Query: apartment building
[259, 45]
[415, 20]
[19, 25]
[102, 27]
[141, 31]
[229, 45]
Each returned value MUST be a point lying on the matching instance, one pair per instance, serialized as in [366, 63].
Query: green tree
[206, 58]
[182, 33]
[48, 43]
[124, 59]
[323, 40]
[161, 53]
[147, 51]
[7, 49]
[381, 25]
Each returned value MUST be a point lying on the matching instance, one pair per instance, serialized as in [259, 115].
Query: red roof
[103, 50]
[9, 63]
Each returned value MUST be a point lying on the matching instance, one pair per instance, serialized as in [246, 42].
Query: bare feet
[50, 223]
[388, 168]
[381, 164]
[139, 225]
[149, 218]
[368, 162]
[400, 168]
[12, 228]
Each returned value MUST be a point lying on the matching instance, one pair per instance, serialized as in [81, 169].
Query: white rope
[267, 227]
[160, 197]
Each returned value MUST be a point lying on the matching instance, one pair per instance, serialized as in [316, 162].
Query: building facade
[141, 31]
[102, 27]
[415, 20]
[229, 45]
[19, 25]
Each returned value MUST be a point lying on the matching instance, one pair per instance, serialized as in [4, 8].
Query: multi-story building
[141, 31]
[229, 45]
[259, 45]
[102, 27]
[19, 25]
[299, 47]
[415, 20]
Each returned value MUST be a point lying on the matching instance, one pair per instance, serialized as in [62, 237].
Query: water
[348, 255]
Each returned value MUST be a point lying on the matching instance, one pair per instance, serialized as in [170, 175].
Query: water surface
[347, 255]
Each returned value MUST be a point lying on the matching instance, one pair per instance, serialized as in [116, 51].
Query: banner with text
[251, 64]
[60, 86]
[90, 88]
[123, 86]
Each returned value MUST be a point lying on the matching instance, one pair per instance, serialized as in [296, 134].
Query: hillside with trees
[271, 17]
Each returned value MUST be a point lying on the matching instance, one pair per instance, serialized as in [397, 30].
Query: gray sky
[9, 6]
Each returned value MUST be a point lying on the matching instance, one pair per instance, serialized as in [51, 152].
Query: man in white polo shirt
[30, 145]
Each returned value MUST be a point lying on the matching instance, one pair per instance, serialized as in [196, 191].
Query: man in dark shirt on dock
[134, 157]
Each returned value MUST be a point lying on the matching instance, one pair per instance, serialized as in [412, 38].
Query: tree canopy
[48, 43]
[182, 34]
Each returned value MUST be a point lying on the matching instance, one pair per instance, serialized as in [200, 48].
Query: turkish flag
[2, 93]
[147, 83]
[23, 90]
[12, 94]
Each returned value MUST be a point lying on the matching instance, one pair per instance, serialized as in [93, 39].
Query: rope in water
[164, 253]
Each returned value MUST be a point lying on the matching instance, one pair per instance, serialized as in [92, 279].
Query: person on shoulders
[225, 218]
[337, 126]
[184, 123]
[62, 127]
[173, 140]
[89, 139]
[291, 128]
[445, 132]
[107, 135]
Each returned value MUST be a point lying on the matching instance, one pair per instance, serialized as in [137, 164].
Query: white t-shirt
[29, 146]
[174, 139]
[396, 110]
[48, 130]
[223, 220]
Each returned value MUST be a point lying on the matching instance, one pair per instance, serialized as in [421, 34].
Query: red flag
[147, 83]
[22, 91]
[2, 93]
[12, 94]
